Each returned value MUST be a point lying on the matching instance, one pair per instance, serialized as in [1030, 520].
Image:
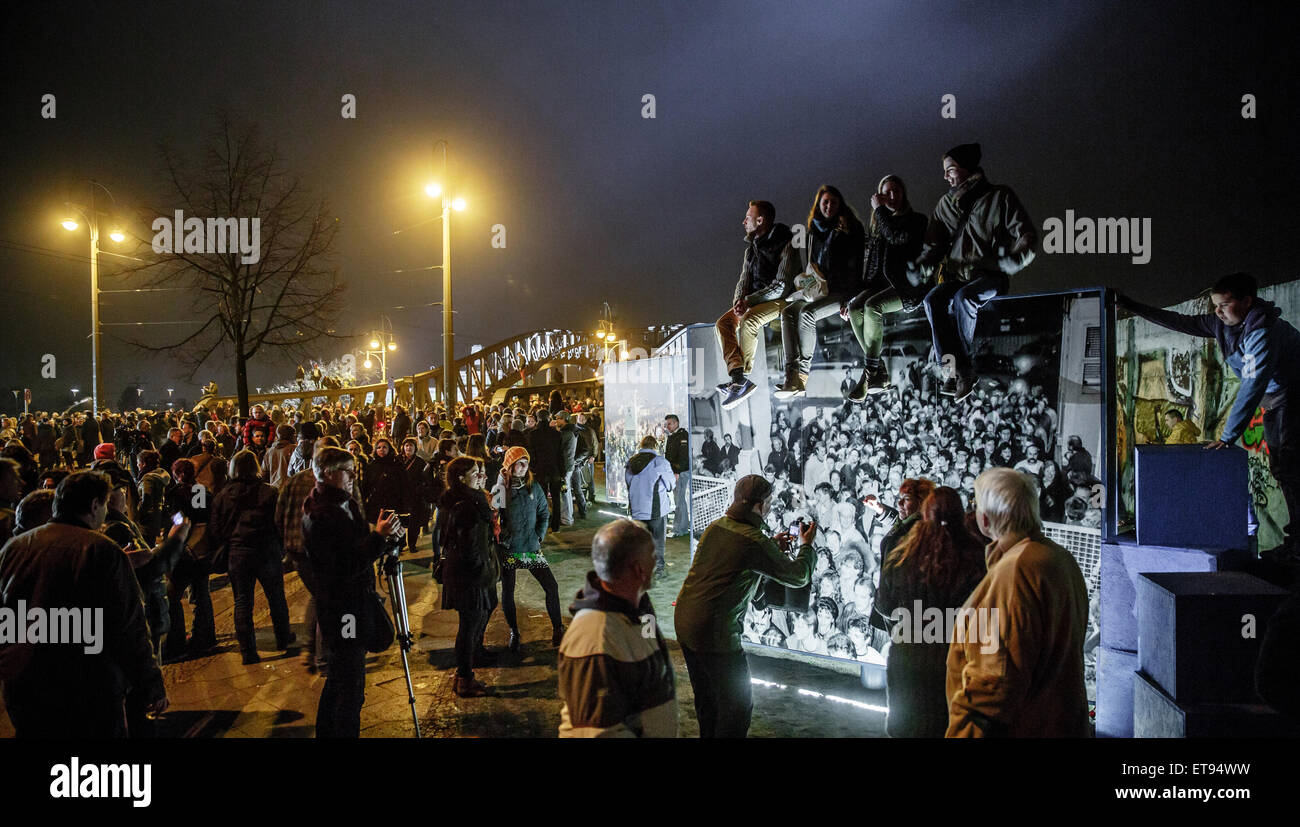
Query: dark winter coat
[149, 575]
[340, 548]
[470, 568]
[384, 486]
[678, 451]
[525, 519]
[917, 671]
[546, 452]
[895, 242]
[243, 518]
[65, 564]
[418, 490]
[569, 447]
[838, 254]
[769, 267]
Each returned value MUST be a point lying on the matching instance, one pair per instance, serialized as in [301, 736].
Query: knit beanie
[105, 450]
[513, 455]
[967, 156]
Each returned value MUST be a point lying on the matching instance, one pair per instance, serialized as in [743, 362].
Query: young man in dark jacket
[1263, 350]
[342, 549]
[982, 235]
[545, 447]
[569, 451]
[730, 560]
[771, 262]
[677, 451]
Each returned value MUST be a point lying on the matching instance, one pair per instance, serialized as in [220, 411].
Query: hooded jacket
[1029, 682]
[769, 267]
[1263, 351]
[646, 474]
[729, 562]
[615, 677]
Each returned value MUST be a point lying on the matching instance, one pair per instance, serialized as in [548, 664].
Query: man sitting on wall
[766, 277]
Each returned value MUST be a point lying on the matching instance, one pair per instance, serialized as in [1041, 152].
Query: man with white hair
[615, 674]
[1028, 680]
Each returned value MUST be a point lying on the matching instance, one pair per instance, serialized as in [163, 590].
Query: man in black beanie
[730, 560]
[979, 235]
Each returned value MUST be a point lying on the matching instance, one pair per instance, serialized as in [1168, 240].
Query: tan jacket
[1031, 684]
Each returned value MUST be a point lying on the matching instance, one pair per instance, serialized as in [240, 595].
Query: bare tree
[284, 300]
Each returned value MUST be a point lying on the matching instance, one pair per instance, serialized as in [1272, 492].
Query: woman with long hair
[521, 502]
[835, 246]
[938, 564]
[469, 532]
[385, 485]
[425, 444]
[894, 240]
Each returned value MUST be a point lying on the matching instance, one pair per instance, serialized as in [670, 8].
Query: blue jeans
[682, 505]
[953, 309]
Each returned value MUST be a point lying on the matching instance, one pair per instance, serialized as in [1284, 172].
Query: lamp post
[92, 223]
[448, 334]
[382, 342]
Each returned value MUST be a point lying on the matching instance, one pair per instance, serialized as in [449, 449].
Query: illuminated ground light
[810, 693]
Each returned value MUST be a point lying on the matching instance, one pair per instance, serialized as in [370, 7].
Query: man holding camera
[341, 547]
[730, 561]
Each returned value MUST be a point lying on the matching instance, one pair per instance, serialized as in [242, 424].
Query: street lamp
[382, 342]
[434, 190]
[92, 222]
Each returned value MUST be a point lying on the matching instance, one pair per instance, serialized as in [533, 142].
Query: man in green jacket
[732, 555]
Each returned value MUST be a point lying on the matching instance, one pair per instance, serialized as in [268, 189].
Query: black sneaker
[858, 393]
[965, 385]
[738, 394]
[877, 381]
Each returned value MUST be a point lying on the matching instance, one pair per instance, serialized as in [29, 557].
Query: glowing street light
[92, 222]
[458, 204]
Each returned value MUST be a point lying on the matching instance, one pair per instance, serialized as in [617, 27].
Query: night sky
[1108, 109]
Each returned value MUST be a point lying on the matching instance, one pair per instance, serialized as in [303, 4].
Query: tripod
[402, 624]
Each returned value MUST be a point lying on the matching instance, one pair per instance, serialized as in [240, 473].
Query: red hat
[105, 450]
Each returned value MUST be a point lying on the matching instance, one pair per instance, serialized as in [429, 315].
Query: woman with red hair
[936, 566]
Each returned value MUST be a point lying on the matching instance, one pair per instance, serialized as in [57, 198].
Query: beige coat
[1031, 684]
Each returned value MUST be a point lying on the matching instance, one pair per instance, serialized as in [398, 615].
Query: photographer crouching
[342, 549]
[730, 560]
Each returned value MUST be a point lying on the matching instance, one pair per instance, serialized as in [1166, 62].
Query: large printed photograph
[1037, 408]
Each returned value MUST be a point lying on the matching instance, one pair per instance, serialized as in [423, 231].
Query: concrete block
[1122, 563]
[1190, 626]
[1171, 484]
[1157, 715]
[1115, 693]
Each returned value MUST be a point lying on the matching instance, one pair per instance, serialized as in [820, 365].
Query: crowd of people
[187, 495]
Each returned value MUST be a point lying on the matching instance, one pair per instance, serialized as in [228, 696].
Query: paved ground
[217, 696]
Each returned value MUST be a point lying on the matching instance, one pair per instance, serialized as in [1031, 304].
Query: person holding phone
[732, 556]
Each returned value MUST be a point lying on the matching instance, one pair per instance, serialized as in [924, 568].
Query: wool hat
[750, 490]
[308, 430]
[105, 450]
[513, 455]
[967, 156]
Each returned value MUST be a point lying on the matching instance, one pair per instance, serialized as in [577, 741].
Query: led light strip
[813, 694]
